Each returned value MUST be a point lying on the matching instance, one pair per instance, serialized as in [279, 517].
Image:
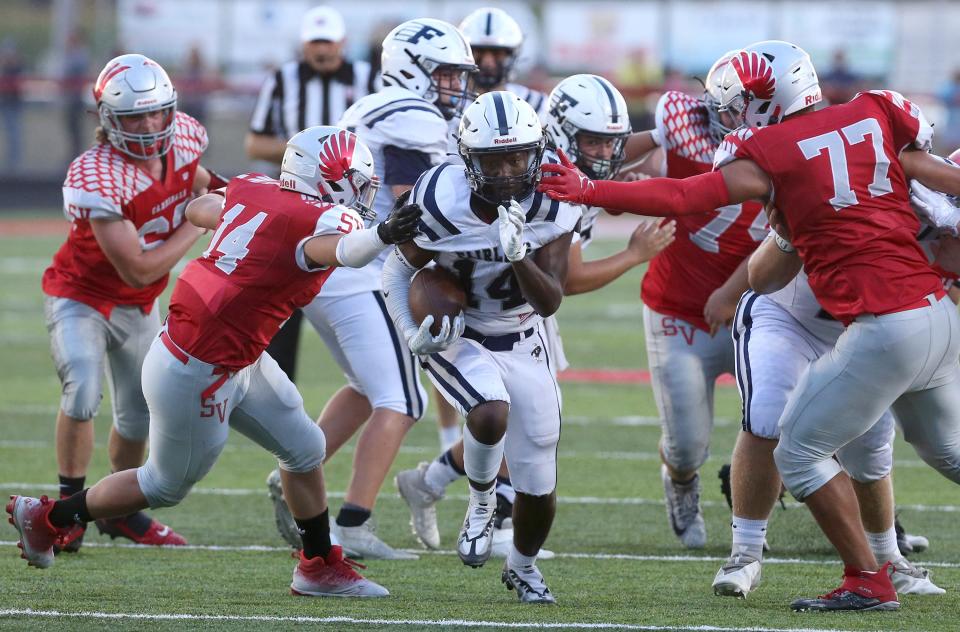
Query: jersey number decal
[504, 287]
[232, 245]
[160, 226]
[708, 237]
[832, 142]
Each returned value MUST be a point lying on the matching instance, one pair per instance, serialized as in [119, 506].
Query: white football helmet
[712, 91]
[415, 49]
[333, 164]
[490, 27]
[767, 81]
[130, 85]
[591, 105]
[501, 142]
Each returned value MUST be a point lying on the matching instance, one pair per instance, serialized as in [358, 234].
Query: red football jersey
[102, 183]
[708, 247]
[838, 181]
[228, 304]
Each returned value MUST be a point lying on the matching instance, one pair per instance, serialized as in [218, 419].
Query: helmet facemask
[364, 191]
[485, 171]
[140, 146]
[597, 166]
[486, 79]
[449, 100]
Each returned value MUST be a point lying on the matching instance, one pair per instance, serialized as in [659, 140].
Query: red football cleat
[31, 517]
[334, 576]
[860, 590]
[71, 539]
[156, 535]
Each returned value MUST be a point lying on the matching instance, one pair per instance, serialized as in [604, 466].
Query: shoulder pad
[684, 126]
[435, 192]
[924, 137]
[189, 140]
[100, 179]
[730, 148]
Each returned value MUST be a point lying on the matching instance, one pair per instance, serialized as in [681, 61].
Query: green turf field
[618, 564]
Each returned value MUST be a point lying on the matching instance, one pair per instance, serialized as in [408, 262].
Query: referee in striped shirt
[301, 94]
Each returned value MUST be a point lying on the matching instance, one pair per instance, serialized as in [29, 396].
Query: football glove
[422, 342]
[402, 223]
[511, 231]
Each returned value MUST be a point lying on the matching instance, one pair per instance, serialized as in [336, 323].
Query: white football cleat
[334, 576]
[362, 542]
[529, 584]
[286, 526]
[739, 576]
[909, 579]
[476, 535]
[31, 518]
[503, 542]
[422, 502]
[683, 510]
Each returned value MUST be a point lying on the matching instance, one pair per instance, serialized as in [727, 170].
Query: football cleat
[860, 590]
[157, 534]
[907, 542]
[476, 535]
[286, 525]
[422, 501]
[362, 542]
[529, 584]
[503, 542]
[909, 579]
[333, 576]
[738, 577]
[71, 540]
[31, 518]
[683, 510]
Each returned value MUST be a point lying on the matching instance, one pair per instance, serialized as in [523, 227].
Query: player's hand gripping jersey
[102, 184]
[709, 246]
[851, 223]
[229, 303]
[470, 248]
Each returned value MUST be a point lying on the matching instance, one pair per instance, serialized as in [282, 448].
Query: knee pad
[801, 472]
[867, 466]
[687, 458]
[533, 479]
[307, 454]
[159, 490]
[132, 427]
[82, 390]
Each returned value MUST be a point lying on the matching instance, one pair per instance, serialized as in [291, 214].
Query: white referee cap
[322, 23]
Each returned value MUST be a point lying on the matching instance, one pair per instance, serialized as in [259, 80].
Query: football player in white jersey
[587, 119]
[425, 64]
[496, 40]
[777, 335]
[509, 247]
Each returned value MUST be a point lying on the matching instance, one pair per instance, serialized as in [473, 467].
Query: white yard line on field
[564, 500]
[626, 557]
[440, 623]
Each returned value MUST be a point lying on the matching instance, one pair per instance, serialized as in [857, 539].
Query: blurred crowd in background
[51, 51]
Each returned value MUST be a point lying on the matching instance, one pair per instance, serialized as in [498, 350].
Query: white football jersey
[470, 248]
[398, 117]
[587, 221]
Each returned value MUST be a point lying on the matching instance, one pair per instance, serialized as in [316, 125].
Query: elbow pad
[397, 272]
[664, 197]
[359, 247]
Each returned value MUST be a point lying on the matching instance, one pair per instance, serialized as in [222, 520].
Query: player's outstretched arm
[931, 171]
[119, 241]
[738, 181]
[646, 241]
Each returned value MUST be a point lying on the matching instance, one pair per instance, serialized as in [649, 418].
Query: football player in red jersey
[276, 242]
[125, 199]
[840, 178]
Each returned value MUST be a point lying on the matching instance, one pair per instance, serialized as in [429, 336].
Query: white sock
[516, 559]
[481, 462]
[884, 545]
[449, 436]
[440, 474]
[748, 536]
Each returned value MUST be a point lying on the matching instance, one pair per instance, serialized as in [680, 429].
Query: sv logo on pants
[672, 328]
[209, 408]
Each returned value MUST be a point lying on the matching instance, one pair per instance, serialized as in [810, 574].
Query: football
[438, 292]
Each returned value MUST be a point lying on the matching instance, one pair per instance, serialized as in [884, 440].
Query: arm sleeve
[337, 220]
[359, 247]
[404, 166]
[397, 272]
[663, 197]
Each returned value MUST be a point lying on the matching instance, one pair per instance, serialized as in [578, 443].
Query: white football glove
[934, 207]
[422, 342]
[511, 231]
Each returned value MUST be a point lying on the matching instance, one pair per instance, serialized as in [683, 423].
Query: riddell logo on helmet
[504, 141]
[810, 99]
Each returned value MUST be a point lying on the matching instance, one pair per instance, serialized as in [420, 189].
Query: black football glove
[402, 224]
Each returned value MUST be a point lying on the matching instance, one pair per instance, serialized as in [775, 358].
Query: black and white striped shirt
[296, 97]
